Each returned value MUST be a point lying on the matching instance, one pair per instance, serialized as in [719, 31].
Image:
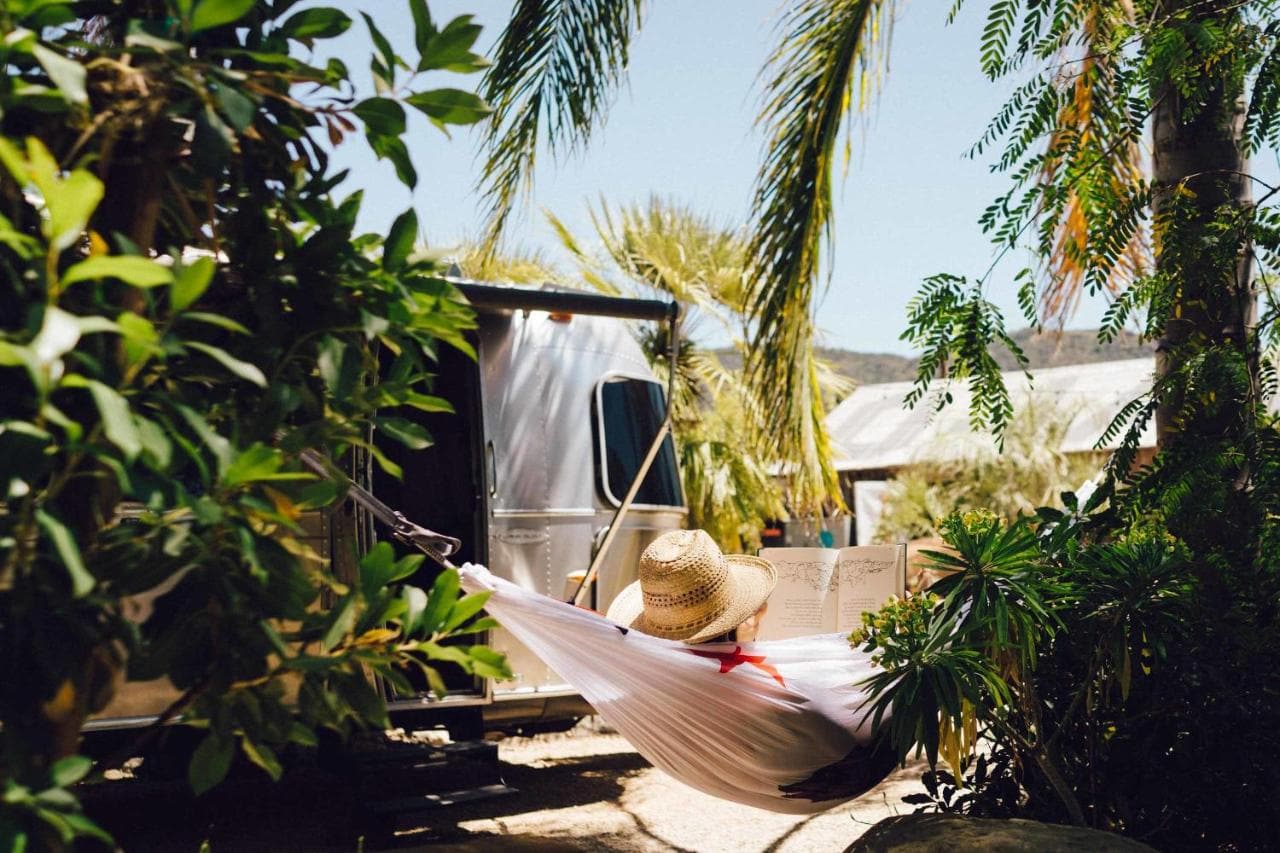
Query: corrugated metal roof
[872, 429]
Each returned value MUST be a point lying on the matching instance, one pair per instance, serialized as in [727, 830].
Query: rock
[943, 833]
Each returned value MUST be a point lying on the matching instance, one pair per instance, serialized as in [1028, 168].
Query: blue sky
[683, 128]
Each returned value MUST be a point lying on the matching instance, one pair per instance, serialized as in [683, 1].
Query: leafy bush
[1080, 654]
[1029, 472]
[1149, 703]
[186, 306]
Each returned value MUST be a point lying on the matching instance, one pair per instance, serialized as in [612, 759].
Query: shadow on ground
[314, 810]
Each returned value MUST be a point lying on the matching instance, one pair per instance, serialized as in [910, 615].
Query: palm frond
[590, 268]
[1100, 170]
[673, 250]
[731, 494]
[697, 371]
[835, 385]
[830, 51]
[507, 264]
[556, 68]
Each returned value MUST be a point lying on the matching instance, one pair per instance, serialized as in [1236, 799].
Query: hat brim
[751, 581]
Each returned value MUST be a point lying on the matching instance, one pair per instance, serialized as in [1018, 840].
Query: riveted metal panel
[538, 378]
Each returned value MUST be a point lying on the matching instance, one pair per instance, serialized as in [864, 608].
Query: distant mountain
[870, 368]
[1079, 346]
[1049, 349]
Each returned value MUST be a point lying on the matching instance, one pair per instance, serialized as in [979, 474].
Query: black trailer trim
[488, 297]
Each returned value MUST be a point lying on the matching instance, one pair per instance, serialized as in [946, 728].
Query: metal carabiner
[427, 541]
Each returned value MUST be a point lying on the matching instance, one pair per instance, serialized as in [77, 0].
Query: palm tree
[1071, 138]
[661, 248]
[822, 71]
[557, 66]
[513, 264]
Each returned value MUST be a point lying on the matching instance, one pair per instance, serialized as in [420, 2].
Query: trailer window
[629, 413]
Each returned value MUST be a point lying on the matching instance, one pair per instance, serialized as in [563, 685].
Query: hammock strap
[437, 546]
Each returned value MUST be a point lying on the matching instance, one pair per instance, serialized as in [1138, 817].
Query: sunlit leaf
[70, 201]
[219, 445]
[415, 605]
[450, 49]
[263, 756]
[341, 621]
[140, 336]
[400, 240]
[117, 419]
[210, 761]
[381, 116]
[389, 58]
[428, 403]
[139, 272]
[323, 22]
[423, 27]
[254, 464]
[466, 607]
[239, 108]
[411, 435]
[444, 594]
[243, 369]
[69, 770]
[208, 14]
[215, 320]
[58, 335]
[450, 106]
[67, 74]
[155, 442]
[64, 542]
[394, 149]
[145, 34]
[340, 367]
[489, 663]
[190, 282]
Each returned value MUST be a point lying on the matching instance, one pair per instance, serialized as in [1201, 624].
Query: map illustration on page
[826, 590]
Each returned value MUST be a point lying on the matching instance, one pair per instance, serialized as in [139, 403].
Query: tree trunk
[1201, 158]
[1206, 428]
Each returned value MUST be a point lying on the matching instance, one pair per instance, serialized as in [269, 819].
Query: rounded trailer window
[629, 412]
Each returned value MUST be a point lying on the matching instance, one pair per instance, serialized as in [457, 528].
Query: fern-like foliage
[953, 325]
[1167, 580]
[1074, 155]
[1262, 125]
[1001, 20]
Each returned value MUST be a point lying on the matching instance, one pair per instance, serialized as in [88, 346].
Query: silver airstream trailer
[557, 459]
[537, 471]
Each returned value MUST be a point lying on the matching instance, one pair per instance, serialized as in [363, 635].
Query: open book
[823, 590]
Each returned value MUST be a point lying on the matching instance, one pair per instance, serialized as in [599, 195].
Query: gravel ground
[589, 790]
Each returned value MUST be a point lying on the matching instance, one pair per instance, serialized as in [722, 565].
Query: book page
[804, 601]
[867, 575]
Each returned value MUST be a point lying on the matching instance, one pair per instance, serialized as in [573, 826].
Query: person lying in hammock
[778, 725]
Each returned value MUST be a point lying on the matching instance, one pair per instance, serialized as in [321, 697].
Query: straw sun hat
[690, 591]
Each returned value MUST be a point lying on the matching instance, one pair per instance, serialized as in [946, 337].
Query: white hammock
[776, 725]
